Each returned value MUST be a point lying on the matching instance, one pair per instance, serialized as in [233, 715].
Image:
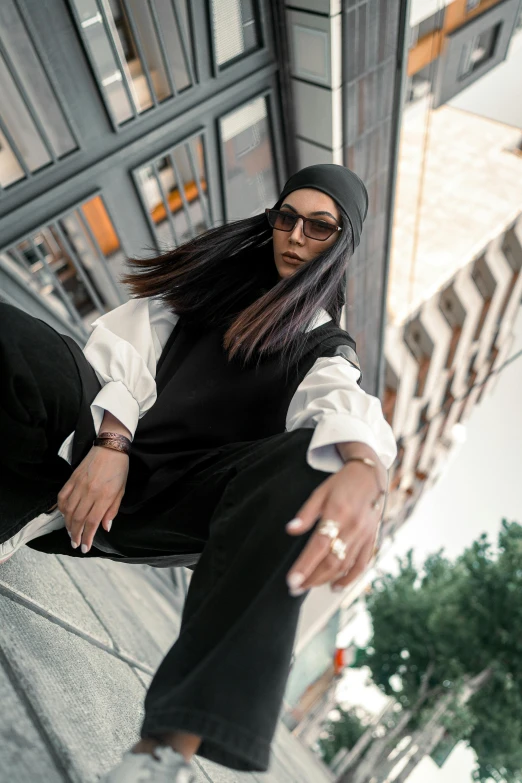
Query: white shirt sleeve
[329, 400]
[123, 350]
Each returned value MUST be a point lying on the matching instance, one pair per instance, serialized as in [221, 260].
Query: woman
[256, 458]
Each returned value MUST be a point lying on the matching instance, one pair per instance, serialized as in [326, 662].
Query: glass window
[235, 29]
[173, 188]
[479, 50]
[33, 129]
[72, 263]
[141, 52]
[248, 160]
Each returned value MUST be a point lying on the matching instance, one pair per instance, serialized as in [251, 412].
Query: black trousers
[224, 678]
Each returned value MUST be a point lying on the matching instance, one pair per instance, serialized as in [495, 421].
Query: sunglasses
[313, 229]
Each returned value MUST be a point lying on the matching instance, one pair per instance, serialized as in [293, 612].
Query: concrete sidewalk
[79, 643]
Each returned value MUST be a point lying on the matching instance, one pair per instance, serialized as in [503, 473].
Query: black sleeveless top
[205, 402]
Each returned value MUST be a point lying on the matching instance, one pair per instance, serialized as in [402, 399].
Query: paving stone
[42, 578]
[146, 679]
[218, 774]
[24, 757]
[88, 702]
[140, 620]
[302, 763]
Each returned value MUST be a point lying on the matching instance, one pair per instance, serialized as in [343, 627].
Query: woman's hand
[346, 497]
[93, 494]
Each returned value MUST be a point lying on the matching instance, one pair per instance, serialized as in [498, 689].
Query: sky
[480, 486]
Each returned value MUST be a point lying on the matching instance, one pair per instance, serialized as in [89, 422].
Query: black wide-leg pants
[224, 678]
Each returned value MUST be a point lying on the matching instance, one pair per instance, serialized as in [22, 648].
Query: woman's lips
[292, 260]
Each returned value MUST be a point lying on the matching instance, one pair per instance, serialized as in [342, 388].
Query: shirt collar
[321, 317]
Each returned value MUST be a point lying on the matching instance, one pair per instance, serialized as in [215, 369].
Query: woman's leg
[40, 395]
[225, 676]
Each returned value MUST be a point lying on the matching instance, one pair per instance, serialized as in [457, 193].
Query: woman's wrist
[111, 424]
[351, 449]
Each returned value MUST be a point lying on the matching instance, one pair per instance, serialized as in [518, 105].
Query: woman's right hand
[93, 493]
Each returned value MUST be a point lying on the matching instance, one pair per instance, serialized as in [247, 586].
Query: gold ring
[338, 548]
[328, 527]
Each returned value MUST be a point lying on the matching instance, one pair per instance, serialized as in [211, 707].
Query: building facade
[128, 127]
[454, 44]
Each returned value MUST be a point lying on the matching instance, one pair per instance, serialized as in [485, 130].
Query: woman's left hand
[346, 497]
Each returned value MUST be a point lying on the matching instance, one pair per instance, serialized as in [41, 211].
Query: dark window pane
[141, 51]
[173, 188]
[234, 27]
[249, 171]
[73, 264]
[479, 50]
[29, 109]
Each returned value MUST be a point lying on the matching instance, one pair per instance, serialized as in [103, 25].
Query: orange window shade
[175, 201]
[100, 224]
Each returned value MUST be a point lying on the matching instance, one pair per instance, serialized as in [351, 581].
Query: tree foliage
[342, 733]
[455, 629]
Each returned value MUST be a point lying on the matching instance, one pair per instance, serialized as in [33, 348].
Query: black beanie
[345, 187]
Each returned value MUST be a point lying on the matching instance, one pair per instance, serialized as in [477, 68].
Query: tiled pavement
[79, 643]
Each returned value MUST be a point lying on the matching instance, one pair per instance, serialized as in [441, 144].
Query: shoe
[37, 527]
[171, 767]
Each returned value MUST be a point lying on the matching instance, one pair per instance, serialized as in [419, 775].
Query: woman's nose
[297, 234]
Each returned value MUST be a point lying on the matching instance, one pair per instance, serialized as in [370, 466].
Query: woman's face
[288, 244]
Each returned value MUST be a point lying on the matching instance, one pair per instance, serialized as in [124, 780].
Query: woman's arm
[123, 350]
[348, 422]
[330, 401]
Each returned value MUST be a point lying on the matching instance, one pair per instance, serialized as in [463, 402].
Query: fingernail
[294, 524]
[70, 534]
[74, 544]
[299, 591]
[109, 525]
[85, 549]
[295, 580]
[337, 589]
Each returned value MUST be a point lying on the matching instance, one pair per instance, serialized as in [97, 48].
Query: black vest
[205, 402]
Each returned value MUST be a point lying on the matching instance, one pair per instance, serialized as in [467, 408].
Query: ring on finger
[338, 548]
[329, 527]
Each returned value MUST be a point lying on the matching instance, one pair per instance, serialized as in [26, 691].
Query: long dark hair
[227, 278]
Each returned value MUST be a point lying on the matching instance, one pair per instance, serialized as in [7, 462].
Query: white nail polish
[294, 524]
[74, 544]
[295, 580]
[337, 589]
[109, 525]
[295, 593]
[85, 549]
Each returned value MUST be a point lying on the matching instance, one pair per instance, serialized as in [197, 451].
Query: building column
[315, 37]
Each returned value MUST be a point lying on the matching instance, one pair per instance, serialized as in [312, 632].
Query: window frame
[268, 94]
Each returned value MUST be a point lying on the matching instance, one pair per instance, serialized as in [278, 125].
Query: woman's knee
[40, 384]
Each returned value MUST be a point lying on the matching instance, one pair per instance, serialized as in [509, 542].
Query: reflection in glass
[234, 28]
[33, 129]
[174, 191]
[73, 264]
[249, 169]
[479, 50]
[140, 50]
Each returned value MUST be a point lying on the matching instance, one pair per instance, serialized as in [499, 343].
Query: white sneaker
[171, 767]
[37, 527]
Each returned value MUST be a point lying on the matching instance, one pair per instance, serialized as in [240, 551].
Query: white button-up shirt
[126, 344]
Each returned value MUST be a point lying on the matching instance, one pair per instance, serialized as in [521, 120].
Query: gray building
[127, 127]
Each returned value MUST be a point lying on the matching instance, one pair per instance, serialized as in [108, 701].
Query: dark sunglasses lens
[316, 230]
[281, 220]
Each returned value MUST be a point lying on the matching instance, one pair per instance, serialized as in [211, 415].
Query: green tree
[447, 646]
[342, 733]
